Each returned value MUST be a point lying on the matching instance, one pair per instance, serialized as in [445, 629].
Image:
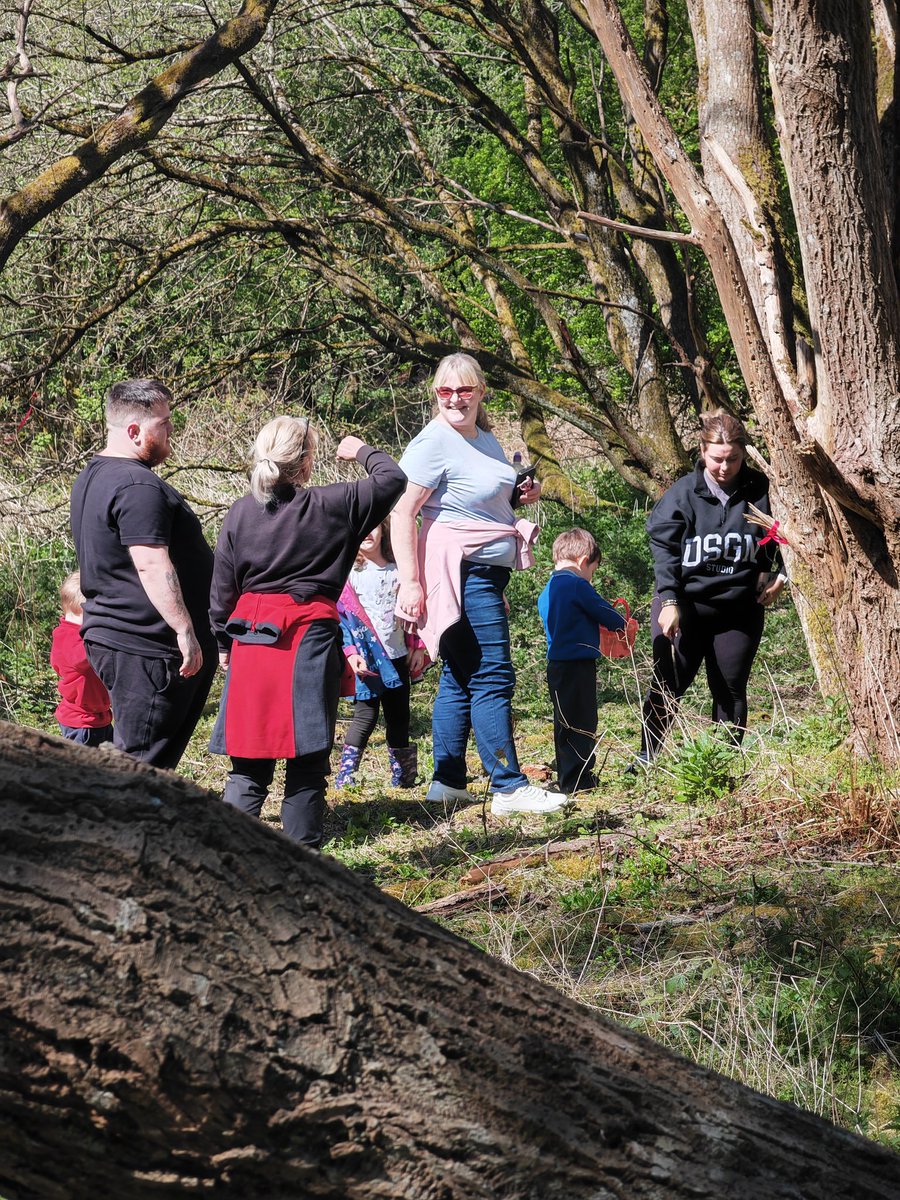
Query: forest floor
[742, 906]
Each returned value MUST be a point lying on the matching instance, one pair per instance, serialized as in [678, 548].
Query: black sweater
[304, 543]
[706, 551]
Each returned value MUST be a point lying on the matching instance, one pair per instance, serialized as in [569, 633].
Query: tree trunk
[847, 432]
[836, 482]
[193, 1003]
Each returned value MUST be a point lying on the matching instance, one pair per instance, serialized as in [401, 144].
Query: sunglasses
[464, 393]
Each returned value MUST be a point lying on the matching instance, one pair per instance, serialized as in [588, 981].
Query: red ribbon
[25, 418]
[774, 536]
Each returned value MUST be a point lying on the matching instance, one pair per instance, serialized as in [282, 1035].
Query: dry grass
[722, 925]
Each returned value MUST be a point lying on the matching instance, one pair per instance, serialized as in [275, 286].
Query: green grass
[745, 908]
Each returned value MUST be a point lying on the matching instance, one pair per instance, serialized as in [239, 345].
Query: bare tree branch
[138, 123]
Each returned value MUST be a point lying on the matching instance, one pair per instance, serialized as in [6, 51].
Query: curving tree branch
[138, 123]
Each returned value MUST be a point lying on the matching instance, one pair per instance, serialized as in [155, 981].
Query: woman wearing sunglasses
[453, 573]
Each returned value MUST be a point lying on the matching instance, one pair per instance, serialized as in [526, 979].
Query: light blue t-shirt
[471, 481]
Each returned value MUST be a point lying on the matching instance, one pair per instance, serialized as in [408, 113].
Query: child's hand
[416, 661]
[358, 665]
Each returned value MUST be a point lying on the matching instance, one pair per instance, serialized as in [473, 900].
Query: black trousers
[394, 703]
[726, 639]
[573, 690]
[303, 807]
[154, 709]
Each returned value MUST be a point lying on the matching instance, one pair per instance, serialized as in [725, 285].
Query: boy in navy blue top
[572, 613]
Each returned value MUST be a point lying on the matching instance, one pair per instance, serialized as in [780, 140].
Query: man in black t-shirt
[145, 573]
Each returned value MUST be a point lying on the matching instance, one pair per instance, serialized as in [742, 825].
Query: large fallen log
[192, 1004]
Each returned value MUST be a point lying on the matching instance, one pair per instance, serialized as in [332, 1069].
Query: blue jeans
[95, 736]
[477, 684]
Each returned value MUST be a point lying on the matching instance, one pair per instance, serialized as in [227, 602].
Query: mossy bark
[141, 119]
[194, 1004]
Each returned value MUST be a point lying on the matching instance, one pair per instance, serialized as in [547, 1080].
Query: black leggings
[727, 638]
[394, 702]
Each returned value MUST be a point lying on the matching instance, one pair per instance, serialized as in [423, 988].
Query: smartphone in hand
[525, 473]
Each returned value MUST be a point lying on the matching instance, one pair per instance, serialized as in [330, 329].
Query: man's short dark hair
[135, 398]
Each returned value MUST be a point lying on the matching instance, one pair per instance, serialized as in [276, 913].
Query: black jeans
[573, 690]
[394, 702]
[303, 807]
[727, 639]
[155, 710]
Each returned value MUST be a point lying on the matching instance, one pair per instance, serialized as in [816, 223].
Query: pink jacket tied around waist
[443, 546]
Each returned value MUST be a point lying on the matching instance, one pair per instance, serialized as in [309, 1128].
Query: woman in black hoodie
[715, 575]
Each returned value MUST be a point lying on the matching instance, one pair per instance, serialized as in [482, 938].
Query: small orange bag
[618, 643]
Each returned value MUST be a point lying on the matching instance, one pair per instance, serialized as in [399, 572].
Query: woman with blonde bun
[282, 558]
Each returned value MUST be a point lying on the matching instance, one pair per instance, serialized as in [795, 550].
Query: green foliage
[704, 767]
[366, 825]
[198, 279]
[853, 995]
[589, 896]
[642, 877]
[825, 728]
[31, 574]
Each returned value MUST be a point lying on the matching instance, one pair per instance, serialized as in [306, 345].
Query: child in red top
[83, 712]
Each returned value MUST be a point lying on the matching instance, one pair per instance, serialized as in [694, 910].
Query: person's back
[572, 612]
[83, 712]
[299, 543]
[282, 559]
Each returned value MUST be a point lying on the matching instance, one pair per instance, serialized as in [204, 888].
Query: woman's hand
[670, 621]
[349, 448]
[411, 600]
[529, 490]
[768, 589]
[405, 540]
[224, 657]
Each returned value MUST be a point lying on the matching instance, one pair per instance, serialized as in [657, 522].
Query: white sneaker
[527, 798]
[442, 793]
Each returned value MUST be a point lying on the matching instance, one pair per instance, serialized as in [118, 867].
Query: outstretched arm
[371, 499]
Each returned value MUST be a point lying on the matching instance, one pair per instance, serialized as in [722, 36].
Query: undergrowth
[739, 904]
